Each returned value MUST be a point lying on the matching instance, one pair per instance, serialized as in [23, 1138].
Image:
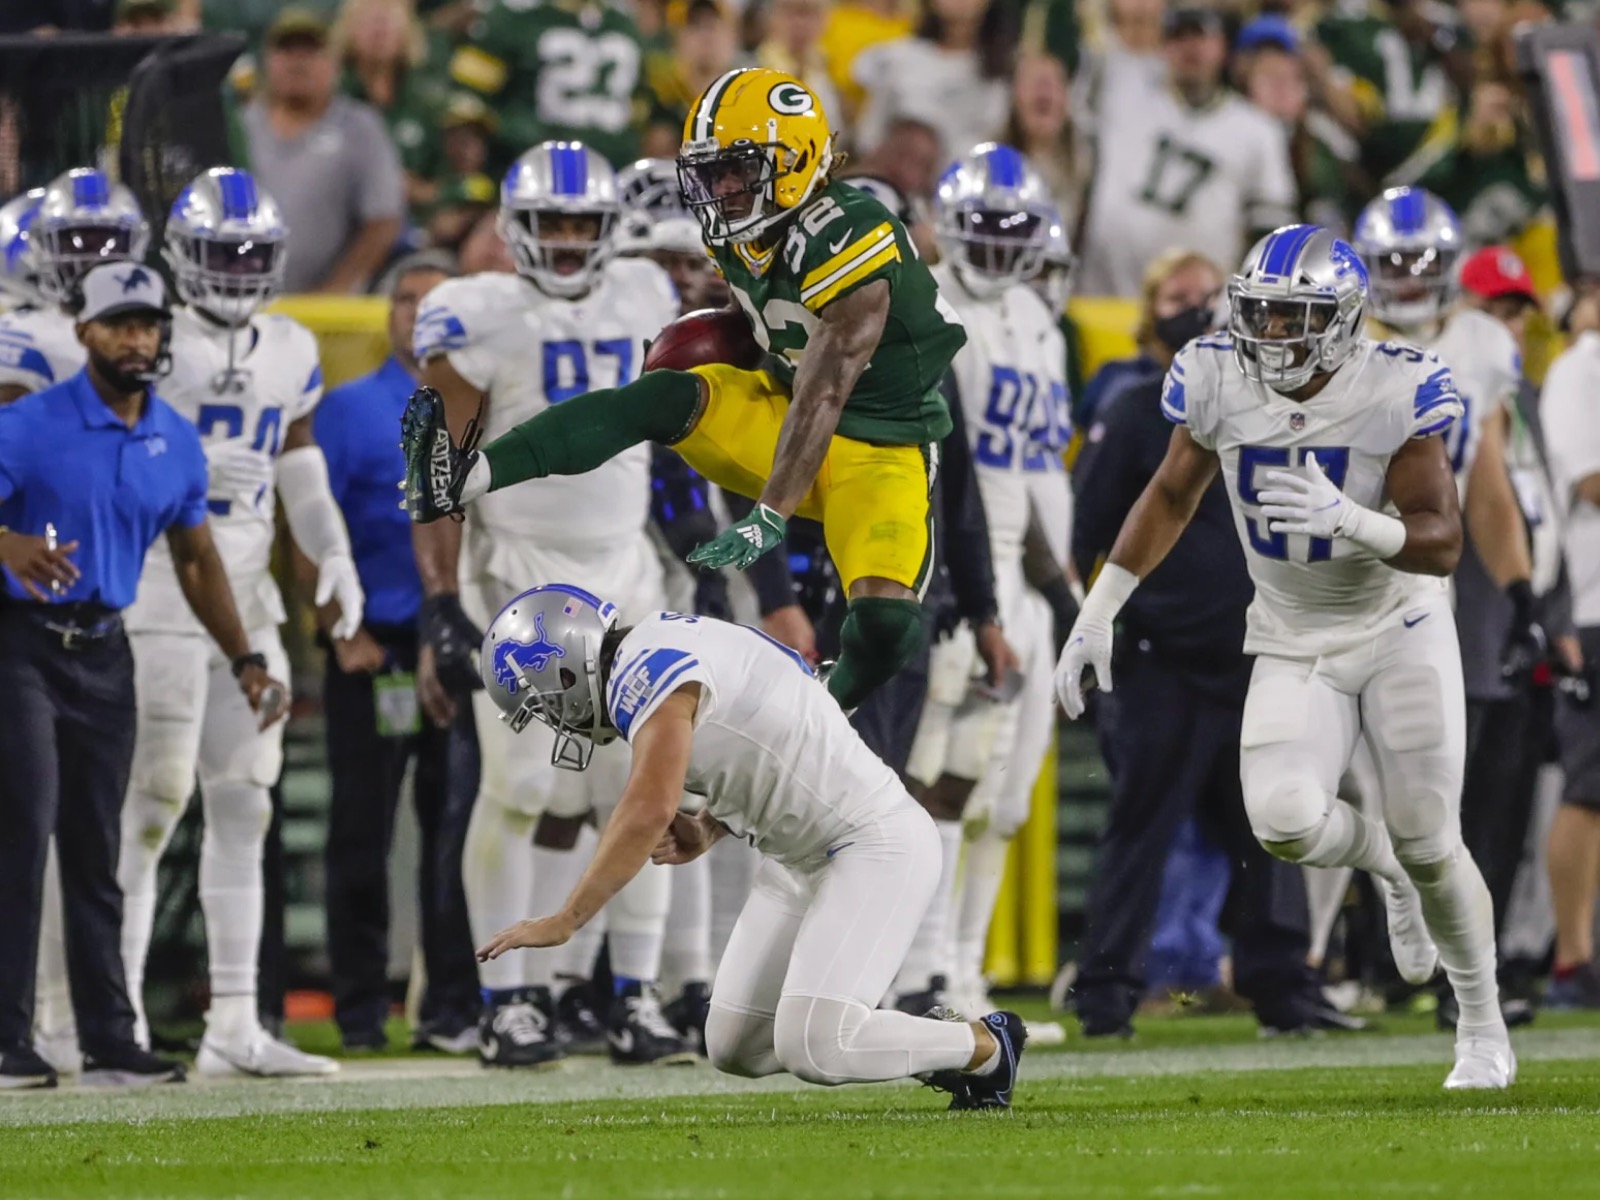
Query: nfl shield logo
[1297, 421]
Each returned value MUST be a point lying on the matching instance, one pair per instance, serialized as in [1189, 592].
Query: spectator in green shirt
[382, 49]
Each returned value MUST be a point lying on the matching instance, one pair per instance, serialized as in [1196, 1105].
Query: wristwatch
[253, 659]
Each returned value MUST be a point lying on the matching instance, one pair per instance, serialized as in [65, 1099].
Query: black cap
[1190, 19]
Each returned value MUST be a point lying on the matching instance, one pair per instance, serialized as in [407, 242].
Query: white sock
[232, 1016]
[637, 917]
[929, 954]
[53, 1017]
[555, 873]
[231, 895]
[982, 871]
[1460, 916]
[497, 871]
[1325, 891]
[686, 948]
[148, 821]
[1346, 838]
[989, 1065]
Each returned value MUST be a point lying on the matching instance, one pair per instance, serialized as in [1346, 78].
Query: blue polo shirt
[358, 427]
[67, 458]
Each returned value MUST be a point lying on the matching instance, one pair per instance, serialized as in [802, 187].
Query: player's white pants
[1401, 690]
[814, 952]
[193, 720]
[518, 782]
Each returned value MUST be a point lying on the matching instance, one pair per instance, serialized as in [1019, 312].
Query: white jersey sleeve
[302, 360]
[1435, 405]
[655, 667]
[1189, 394]
[451, 321]
[1486, 365]
[39, 348]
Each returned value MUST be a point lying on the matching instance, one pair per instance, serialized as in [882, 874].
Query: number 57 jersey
[1314, 596]
[527, 351]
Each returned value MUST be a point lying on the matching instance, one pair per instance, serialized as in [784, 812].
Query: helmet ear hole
[568, 678]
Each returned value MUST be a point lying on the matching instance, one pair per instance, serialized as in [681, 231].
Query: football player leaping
[250, 382]
[1315, 427]
[572, 318]
[839, 428]
[851, 860]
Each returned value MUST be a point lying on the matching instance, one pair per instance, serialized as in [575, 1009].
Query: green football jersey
[558, 69]
[841, 240]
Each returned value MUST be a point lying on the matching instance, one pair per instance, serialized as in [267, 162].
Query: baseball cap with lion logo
[118, 289]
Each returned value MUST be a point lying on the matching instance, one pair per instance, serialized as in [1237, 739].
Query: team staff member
[101, 458]
[1170, 731]
[375, 726]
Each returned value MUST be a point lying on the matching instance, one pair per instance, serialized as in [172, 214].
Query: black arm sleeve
[966, 528]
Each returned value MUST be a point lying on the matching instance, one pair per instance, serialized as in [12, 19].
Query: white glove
[1311, 505]
[337, 580]
[237, 470]
[1088, 645]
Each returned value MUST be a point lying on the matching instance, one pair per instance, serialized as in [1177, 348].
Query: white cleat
[1415, 955]
[1484, 1062]
[260, 1054]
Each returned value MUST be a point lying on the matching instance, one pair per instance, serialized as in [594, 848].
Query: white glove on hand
[237, 470]
[337, 580]
[1308, 503]
[1088, 645]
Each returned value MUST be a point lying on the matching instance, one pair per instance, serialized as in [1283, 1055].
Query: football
[707, 335]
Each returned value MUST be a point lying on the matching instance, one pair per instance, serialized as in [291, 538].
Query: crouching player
[850, 860]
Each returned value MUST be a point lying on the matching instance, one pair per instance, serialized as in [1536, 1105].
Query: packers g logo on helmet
[756, 147]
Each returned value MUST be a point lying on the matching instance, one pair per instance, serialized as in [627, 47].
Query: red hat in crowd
[1496, 271]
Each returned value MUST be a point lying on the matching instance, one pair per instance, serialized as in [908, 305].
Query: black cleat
[1308, 1015]
[22, 1067]
[687, 1014]
[970, 1091]
[517, 1033]
[128, 1066]
[640, 1035]
[579, 1028]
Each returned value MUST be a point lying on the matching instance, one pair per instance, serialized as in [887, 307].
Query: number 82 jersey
[1314, 596]
[844, 239]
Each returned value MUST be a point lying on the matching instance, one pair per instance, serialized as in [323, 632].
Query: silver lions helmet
[541, 660]
[654, 216]
[83, 220]
[992, 213]
[558, 214]
[227, 245]
[1410, 242]
[19, 273]
[1296, 306]
[1054, 281]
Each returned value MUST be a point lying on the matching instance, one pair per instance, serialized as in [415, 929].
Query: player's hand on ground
[1088, 646]
[1309, 503]
[268, 697]
[688, 837]
[793, 628]
[742, 543]
[999, 659]
[534, 933]
[39, 568]
[437, 703]
[359, 654]
[337, 580]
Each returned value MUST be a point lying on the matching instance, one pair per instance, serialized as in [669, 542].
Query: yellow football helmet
[755, 147]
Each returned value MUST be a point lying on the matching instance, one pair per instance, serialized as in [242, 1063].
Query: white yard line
[438, 1082]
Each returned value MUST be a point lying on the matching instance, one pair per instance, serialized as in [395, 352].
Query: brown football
[707, 335]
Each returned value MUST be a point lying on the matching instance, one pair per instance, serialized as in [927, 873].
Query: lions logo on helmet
[511, 658]
[19, 274]
[756, 147]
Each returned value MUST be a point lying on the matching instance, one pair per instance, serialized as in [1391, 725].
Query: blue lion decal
[512, 658]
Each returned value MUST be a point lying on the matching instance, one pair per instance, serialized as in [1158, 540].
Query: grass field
[1196, 1106]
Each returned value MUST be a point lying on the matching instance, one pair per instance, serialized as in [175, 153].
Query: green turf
[1195, 1106]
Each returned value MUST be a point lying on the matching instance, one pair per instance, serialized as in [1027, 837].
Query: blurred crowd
[386, 124]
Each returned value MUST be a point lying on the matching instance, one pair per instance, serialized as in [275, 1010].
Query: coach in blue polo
[92, 471]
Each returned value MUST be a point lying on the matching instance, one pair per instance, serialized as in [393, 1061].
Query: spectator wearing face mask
[1170, 731]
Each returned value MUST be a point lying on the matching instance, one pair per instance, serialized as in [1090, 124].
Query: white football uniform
[1011, 381]
[851, 861]
[1486, 364]
[1167, 175]
[1346, 645]
[38, 347]
[192, 719]
[527, 351]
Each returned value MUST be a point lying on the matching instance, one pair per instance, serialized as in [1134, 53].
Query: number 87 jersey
[1314, 596]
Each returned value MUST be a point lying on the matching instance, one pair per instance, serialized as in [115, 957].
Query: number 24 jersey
[1314, 596]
